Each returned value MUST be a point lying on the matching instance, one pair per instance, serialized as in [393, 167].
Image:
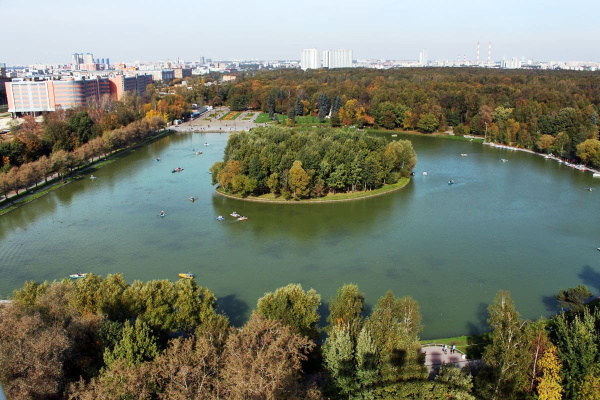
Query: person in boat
[162, 213]
[192, 199]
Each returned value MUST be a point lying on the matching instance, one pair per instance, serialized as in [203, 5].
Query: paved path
[435, 357]
[214, 124]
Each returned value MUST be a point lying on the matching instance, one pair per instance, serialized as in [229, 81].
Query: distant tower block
[477, 61]
[490, 53]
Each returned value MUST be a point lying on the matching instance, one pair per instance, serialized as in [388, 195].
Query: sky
[42, 31]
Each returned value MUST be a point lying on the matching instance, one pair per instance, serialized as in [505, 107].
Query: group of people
[452, 349]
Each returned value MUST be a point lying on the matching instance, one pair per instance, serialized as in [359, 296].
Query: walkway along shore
[14, 201]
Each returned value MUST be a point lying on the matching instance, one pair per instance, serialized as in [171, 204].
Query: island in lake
[280, 163]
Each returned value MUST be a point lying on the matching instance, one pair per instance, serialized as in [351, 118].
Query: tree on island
[310, 164]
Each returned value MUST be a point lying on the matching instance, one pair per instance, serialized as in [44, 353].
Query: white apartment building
[341, 58]
[309, 59]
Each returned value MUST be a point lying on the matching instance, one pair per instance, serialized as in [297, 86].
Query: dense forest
[100, 337]
[297, 164]
[548, 111]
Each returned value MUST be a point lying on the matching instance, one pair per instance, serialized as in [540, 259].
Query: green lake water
[527, 226]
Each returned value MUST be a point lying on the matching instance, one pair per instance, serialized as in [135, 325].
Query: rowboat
[187, 275]
[77, 276]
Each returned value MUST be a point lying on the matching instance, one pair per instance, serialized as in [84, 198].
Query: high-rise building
[423, 58]
[341, 58]
[309, 59]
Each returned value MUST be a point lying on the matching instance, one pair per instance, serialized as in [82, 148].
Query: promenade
[214, 124]
[435, 357]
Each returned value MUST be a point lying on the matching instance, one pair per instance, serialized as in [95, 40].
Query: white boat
[464, 155]
[503, 160]
[424, 172]
[596, 175]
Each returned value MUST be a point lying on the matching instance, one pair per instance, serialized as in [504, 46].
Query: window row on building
[37, 96]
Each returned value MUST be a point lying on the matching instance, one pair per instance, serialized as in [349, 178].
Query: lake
[526, 225]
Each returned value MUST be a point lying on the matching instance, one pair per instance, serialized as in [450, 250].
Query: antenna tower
[477, 62]
[490, 53]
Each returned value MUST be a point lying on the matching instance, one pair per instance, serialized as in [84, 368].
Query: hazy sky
[42, 31]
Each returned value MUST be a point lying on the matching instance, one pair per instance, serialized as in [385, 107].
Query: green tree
[505, 360]
[338, 353]
[137, 345]
[589, 152]
[575, 337]
[294, 307]
[346, 309]
[573, 298]
[83, 126]
[428, 123]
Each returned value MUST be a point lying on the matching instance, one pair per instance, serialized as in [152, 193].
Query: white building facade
[341, 58]
[309, 59]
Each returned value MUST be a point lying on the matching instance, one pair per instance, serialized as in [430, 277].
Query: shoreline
[28, 195]
[311, 201]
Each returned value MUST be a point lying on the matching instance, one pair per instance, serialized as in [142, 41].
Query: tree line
[103, 338]
[67, 139]
[303, 164]
[548, 111]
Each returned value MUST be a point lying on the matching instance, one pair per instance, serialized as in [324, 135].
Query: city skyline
[41, 32]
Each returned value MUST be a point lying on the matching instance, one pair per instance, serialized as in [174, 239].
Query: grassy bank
[471, 345]
[271, 198]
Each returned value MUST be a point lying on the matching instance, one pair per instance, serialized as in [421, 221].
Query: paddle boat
[178, 169]
[198, 153]
[242, 218]
[206, 143]
[92, 177]
[596, 175]
[464, 155]
[157, 159]
[235, 214]
[220, 218]
[503, 160]
[187, 275]
[424, 173]
[451, 182]
[77, 276]
[192, 199]
[163, 214]
[589, 189]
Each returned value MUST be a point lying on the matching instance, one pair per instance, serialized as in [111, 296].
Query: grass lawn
[439, 135]
[262, 118]
[472, 345]
[269, 197]
[303, 120]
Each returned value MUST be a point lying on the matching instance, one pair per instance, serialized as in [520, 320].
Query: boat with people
[589, 189]
[424, 173]
[503, 160]
[157, 159]
[451, 182]
[187, 275]
[242, 218]
[93, 177]
[464, 155]
[198, 153]
[235, 214]
[163, 214]
[178, 169]
[78, 275]
[220, 218]
[206, 143]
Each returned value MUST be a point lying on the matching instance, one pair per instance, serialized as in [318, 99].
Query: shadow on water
[590, 277]
[551, 303]
[481, 324]
[235, 309]
[307, 222]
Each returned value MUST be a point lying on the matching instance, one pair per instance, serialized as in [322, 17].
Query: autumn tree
[263, 360]
[299, 180]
